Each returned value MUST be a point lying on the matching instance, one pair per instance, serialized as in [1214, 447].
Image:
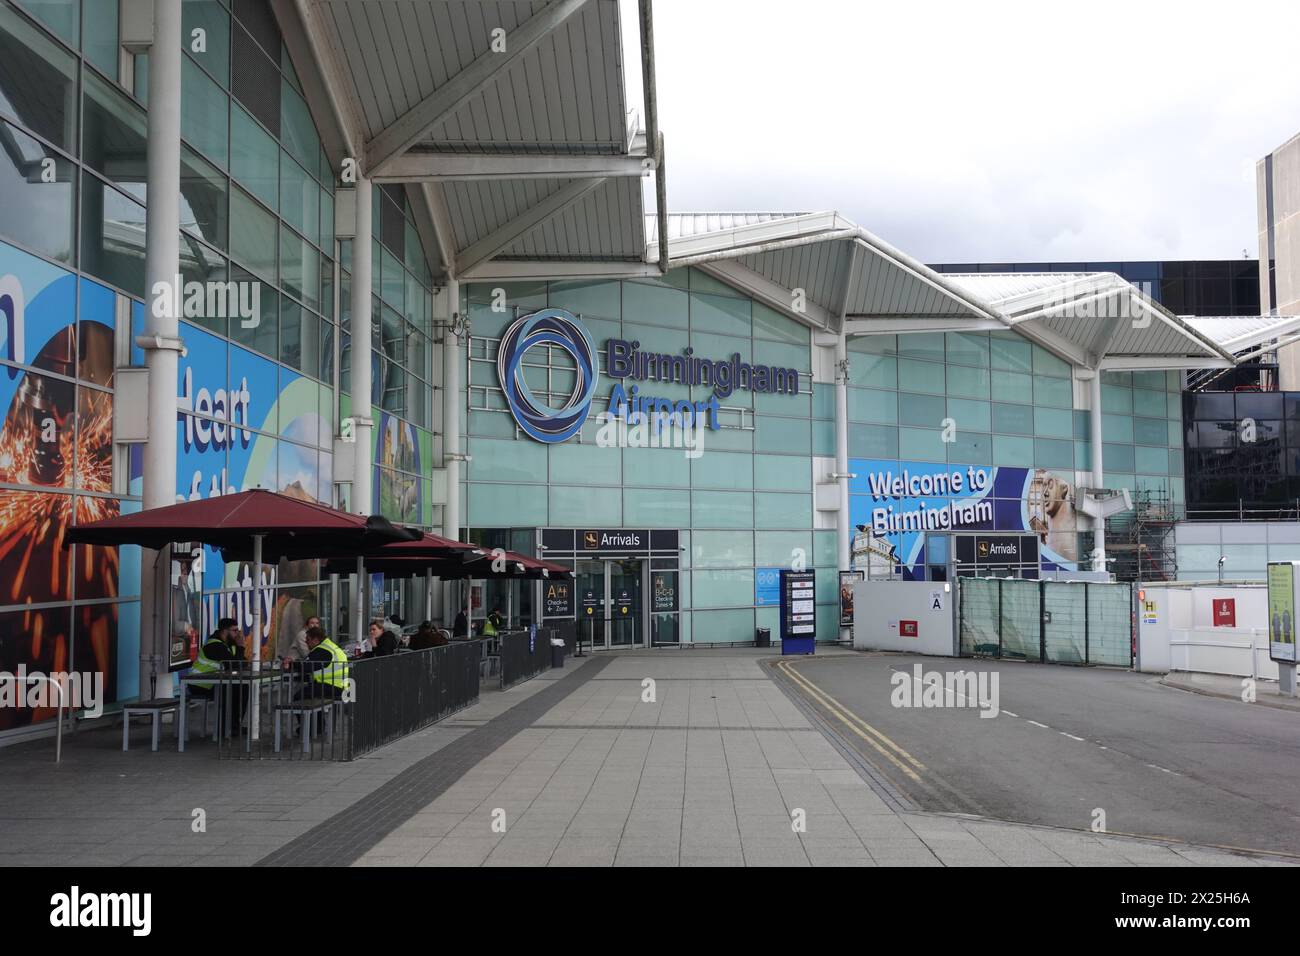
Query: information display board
[798, 611]
[1281, 611]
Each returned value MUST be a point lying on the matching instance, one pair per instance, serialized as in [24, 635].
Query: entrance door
[624, 590]
[591, 603]
[610, 606]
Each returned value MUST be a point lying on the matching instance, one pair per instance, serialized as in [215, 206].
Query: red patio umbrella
[289, 527]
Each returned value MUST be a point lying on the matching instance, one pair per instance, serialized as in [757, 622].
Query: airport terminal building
[181, 280]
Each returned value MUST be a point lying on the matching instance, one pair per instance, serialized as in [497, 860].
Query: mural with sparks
[56, 446]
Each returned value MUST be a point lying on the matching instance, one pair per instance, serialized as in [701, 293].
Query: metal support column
[1098, 472]
[161, 339]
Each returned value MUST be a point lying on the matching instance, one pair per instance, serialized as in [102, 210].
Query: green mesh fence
[1060, 622]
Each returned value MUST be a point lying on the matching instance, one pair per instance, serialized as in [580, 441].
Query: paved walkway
[643, 758]
[1231, 688]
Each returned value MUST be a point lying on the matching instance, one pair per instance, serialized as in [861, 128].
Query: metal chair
[154, 709]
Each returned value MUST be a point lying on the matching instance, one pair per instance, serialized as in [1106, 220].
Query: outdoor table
[268, 672]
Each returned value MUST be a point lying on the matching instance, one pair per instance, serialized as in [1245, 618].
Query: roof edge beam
[457, 91]
[902, 324]
[1140, 363]
[772, 294]
[426, 167]
[530, 218]
[514, 270]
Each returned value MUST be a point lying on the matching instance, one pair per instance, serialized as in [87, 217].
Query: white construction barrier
[1207, 628]
[911, 616]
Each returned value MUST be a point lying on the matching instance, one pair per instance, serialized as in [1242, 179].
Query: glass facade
[992, 403]
[1184, 287]
[257, 209]
[1243, 453]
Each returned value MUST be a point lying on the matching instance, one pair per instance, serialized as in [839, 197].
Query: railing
[374, 702]
[1245, 511]
[402, 693]
[523, 656]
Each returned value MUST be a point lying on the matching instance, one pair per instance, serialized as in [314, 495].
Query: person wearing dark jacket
[222, 651]
[461, 627]
[382, 641]
[427, 636]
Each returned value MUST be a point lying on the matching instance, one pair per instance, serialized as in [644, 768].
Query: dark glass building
[1242, 453]
[1184, 287]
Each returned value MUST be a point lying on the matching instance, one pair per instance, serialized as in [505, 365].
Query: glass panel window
[61, 16]
[299, 267]
[205, 109]
[252, 235]
[297, 131]
[211, 17]
[38, 85]
[114, 132]
[203, 199]
[112, 236]
[300, 339]
[99, 37]
[34, 213]
[299, 198]
[254, 157]
[262, 331]
[256, 83]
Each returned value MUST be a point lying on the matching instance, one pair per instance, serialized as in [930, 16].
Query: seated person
[223, 650]
[427, 636]
[382, 641]
[325, 671]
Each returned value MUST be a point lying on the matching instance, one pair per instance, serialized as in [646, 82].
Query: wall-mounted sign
[625, 362]
[613, 540]
[908, 629]
[767, 587]
[1225, 612]
[904, 502]
[557, 598]
[663, 591]
[560, 542]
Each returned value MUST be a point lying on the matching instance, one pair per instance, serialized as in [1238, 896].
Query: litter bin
[763, 637]
[557, 652]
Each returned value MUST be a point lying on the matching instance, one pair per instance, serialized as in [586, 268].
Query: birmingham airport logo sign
[626, 362]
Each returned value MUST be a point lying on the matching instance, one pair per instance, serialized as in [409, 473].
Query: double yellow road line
[891, 751]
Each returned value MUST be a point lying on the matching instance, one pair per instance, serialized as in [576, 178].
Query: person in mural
[1051, 514]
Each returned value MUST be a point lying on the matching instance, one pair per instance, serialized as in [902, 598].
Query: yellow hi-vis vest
[204, 664]
[336, 673]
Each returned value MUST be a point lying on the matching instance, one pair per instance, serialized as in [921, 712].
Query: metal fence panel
[978, 616]
[523, 657]
[1110, 617]
[1065, 623]
[1020, 624]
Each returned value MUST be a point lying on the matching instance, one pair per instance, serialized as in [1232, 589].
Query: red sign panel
[907, 629]
[1225, 612]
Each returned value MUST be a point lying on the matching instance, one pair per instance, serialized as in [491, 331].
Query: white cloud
[960, 131]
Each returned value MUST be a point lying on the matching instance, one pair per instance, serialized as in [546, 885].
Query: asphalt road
[1069, 741]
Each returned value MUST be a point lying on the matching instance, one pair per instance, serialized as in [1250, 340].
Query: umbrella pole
[360, 602]
[257, 636]
[428, 594]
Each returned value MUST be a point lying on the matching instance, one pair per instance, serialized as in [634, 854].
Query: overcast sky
[971, 131]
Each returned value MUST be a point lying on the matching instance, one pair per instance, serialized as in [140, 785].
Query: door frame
[607, 603]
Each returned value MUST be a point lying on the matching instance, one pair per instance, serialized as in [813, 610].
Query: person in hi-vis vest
[326, 670]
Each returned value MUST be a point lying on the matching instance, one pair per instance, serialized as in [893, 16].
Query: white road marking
[1071, 736]
[1037, 724]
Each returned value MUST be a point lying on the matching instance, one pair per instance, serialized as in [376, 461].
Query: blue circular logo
[547, 327]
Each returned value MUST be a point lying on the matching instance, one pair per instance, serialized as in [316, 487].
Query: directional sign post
[798, 612]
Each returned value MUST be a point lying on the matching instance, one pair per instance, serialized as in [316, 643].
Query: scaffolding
[1142, 540]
